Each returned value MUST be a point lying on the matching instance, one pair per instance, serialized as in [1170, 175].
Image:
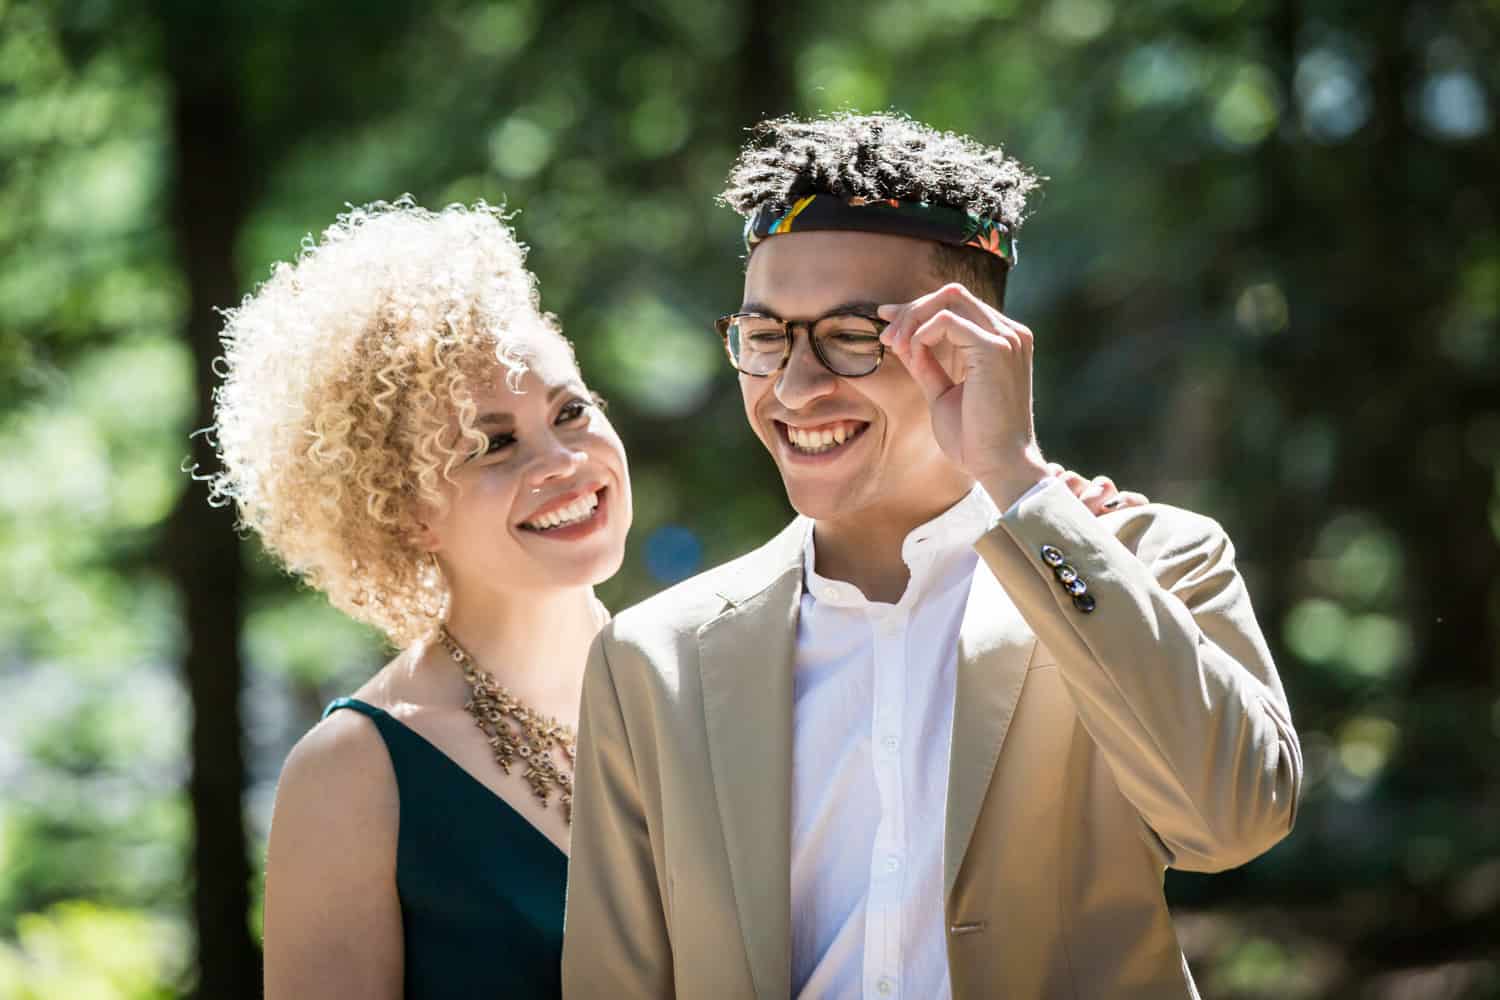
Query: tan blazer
[1090, 751]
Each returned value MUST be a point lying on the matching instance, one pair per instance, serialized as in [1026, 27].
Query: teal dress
[481, 889]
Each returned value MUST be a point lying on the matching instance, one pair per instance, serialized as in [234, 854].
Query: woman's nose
[557, 461]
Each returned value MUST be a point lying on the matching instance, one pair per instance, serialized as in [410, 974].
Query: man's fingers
[930, 352]
[924, 359]
[952, 328]
[953, 297]
[931, 377]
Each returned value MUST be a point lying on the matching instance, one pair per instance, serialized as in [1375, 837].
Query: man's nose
[804, 379]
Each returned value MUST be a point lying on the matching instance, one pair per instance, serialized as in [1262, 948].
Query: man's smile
[815, 439]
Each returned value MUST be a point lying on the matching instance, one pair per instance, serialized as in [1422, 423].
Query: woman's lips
[580, 527]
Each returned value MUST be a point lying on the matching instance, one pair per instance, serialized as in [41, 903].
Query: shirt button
[886, 986]
[892, 864]
[891, 744]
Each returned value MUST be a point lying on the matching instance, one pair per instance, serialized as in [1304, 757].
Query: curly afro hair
[348, 396]
[886, 156]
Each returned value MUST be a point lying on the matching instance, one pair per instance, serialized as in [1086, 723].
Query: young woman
[407, 431]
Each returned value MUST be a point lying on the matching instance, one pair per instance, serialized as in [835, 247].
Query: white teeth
[816, 441]
[579, 510]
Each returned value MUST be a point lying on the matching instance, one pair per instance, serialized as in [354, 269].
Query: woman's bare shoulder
[337, 779]
[332, 917]
[345, 746]
[342, 763]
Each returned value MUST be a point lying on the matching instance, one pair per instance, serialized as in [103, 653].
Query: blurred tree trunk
[1426, 483]
[209, 199]
[1286, 532]
[766, 78]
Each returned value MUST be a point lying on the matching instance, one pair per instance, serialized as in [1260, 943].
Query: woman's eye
[499, 442]
[572, 411]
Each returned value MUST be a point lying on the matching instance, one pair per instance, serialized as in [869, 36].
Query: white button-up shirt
[872, 725]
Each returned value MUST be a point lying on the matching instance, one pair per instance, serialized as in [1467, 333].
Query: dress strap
[363, 708]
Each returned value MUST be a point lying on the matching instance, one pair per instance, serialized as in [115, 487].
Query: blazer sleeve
[615, 940]
[1166, 666]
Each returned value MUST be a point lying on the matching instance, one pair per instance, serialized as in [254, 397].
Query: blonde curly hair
[344, 377]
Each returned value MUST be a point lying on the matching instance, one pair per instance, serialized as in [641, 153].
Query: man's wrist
[1007, 484]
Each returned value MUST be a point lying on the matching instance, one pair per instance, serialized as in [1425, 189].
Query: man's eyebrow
[854, 305]
[505, 418]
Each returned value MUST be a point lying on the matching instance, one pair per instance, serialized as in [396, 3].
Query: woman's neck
[535, 644]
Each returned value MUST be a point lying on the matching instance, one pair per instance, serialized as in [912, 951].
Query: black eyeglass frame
[788, 330]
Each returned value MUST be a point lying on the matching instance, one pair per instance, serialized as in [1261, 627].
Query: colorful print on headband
[992, 238]
[939, 223]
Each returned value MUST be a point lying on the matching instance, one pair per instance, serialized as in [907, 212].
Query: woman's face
[548, 503]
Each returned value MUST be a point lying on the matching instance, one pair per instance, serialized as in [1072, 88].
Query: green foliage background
[1265, 277]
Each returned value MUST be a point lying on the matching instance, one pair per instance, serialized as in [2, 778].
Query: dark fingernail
[1112, 504]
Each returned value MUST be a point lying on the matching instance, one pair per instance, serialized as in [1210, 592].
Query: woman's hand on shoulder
[1100, 494]
[332, 917]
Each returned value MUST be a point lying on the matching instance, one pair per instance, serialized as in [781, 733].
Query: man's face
[883, 458]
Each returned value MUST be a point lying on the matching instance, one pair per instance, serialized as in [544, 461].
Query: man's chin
[821, 501]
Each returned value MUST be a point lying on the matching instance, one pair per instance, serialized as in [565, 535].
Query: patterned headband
[938, 223]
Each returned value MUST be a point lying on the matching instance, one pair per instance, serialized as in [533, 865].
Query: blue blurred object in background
[673, 553]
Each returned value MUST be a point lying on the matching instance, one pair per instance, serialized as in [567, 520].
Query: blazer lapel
[994, 648]
[746, 658]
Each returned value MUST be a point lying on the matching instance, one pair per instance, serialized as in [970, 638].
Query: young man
[943, 734]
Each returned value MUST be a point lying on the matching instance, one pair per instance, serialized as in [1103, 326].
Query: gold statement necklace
[516, 731]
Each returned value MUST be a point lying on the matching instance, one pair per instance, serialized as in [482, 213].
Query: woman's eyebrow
[571, 384]
[505, 418]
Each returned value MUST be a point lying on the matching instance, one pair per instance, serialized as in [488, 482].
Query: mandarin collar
[929, 550]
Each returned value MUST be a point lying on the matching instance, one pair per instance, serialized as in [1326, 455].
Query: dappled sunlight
[1264, 278]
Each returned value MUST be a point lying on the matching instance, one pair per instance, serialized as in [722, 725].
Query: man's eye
[499, 442]
[764, 343]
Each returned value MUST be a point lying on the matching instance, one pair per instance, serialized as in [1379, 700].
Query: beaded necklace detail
[516, 731]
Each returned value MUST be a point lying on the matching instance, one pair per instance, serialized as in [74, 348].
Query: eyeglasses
[846, 343]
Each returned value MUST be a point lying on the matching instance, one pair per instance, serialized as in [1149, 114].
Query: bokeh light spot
[673, 553]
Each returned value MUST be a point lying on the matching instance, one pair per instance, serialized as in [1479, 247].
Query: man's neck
[865, 549]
